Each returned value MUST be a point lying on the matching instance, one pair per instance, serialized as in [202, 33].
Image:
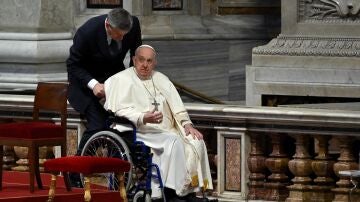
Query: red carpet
[16, 189]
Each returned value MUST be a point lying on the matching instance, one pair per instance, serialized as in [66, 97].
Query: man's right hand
[99, 90]
[153, 117]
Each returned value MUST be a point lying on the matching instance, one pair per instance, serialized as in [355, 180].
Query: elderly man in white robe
[149, 99]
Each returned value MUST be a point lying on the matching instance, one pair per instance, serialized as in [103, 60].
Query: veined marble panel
[215, 68]
[18, 51]
[311, 76]
[30, 58]
[36, 15]
[321, 82]
[246, 3]
[232, 163]
[186, 27]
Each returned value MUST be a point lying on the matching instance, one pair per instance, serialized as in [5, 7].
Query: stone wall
[34, 40]
[209, 39]
[200, 48]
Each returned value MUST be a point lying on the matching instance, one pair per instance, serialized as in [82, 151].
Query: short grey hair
[120, 18]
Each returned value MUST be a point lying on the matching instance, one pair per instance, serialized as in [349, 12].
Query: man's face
[144, 62]
[115, 33]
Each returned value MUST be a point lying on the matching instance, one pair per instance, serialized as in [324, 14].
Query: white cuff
[140, 121]
[92, 83]
[183, 123]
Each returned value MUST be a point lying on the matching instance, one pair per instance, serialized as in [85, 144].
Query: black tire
[108, 144]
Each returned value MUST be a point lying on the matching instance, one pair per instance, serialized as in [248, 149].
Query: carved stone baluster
[277, 163]
[8, 158]
[256, 164]
[300, 166]
[322, 166]
[23, 162]
[346, 161]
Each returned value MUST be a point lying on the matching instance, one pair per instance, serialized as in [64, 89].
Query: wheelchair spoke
[105, 179]
[108, 144]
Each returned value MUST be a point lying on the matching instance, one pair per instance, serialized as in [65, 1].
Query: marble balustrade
[286, 154]
[261, 153]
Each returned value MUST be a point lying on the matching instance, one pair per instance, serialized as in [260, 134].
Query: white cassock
[183, 161]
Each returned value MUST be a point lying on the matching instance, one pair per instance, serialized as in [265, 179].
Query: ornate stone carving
[330, 10]
[309, 46]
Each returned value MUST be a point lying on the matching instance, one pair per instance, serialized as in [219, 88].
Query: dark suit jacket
[90, 59]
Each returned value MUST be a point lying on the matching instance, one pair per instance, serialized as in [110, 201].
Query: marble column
[35, 37]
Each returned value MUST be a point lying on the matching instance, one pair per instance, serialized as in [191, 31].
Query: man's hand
[153, 117]
[190, 130]
[99, 90]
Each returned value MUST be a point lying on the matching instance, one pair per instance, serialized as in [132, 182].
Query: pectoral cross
[156, 104]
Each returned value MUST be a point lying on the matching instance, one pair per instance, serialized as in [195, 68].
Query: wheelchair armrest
[120, 119]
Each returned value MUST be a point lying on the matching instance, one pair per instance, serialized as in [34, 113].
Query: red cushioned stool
[87, 165]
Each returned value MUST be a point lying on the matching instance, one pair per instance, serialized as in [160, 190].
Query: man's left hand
[190, 130]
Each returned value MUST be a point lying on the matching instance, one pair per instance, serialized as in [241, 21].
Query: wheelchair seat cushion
[86, 164]
[31, 130]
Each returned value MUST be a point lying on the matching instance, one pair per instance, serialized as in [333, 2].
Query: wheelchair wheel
[139, 197]
[108, 144]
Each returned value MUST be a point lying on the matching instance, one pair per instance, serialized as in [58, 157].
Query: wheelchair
[123, 145]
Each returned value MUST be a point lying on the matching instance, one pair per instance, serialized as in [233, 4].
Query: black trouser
[96, 117]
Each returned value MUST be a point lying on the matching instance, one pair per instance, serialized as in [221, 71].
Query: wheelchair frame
[110, 143]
